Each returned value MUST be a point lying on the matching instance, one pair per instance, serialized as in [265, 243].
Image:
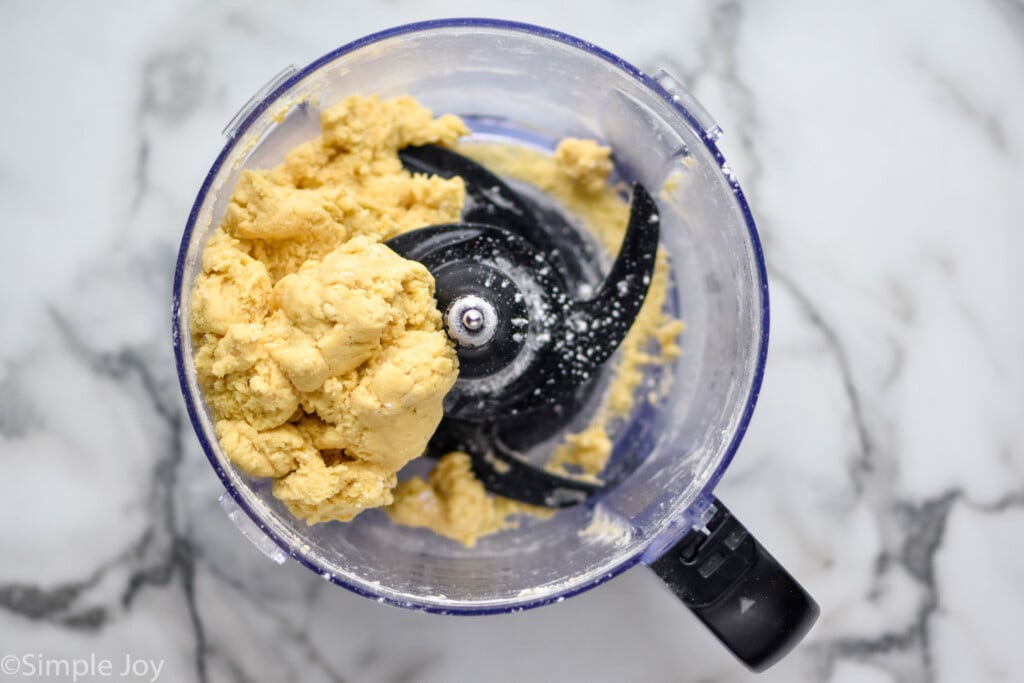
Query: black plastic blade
[613, 309]
[503, 471]
[491, 201]
[589, 332]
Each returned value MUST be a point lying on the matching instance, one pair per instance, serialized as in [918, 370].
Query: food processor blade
[526, 341]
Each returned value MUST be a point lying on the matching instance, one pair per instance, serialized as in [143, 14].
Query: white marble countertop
[882, 150]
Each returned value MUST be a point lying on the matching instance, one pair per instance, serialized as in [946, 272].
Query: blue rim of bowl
[433, 25]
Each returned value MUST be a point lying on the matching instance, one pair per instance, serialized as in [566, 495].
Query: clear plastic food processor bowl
[531, 84]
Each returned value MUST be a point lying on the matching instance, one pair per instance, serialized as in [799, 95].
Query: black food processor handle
[738, 590]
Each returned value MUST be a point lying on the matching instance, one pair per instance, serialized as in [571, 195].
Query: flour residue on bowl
[606, 528]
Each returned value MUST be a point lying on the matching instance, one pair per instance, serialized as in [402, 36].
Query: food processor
[536, 351]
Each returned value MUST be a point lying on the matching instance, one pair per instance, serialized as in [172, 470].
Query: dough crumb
[589, 450]
[586, 163]
[451, 502]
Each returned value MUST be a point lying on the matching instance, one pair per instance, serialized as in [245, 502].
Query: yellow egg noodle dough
[321, 352]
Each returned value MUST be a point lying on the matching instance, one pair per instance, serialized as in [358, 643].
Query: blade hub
[471, 320]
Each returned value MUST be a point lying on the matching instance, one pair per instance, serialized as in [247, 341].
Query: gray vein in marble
[899, 361]
[141, 170]
[18, 418]
[900, 300]
[1012, 11]
[234, 669]
[717, 58]
[412, 670]
[907, 653]
[864, 462]
[946, 267]
[174, 84]
[162, 553]
[914, 533]
[313, 656]
[53, 604]
[1010, 501]
[176, 556]
[976, 325]
[916, 530]
[295, 635]
[923, 525]
[244, 22]
[988, 123]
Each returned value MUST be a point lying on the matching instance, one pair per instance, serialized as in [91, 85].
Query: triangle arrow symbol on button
[746, 603]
